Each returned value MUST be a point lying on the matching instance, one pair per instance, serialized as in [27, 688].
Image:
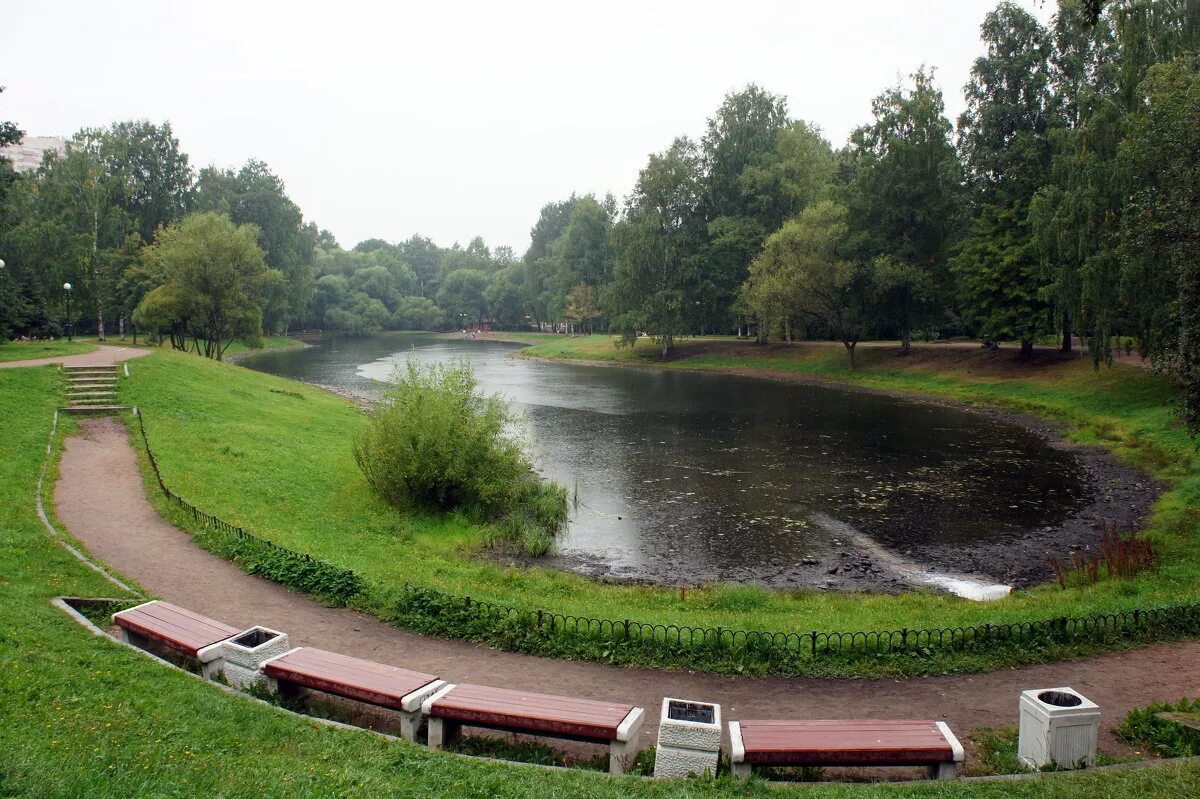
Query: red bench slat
[353, 678]
[532, 712]
[178, 628]
[874, 742]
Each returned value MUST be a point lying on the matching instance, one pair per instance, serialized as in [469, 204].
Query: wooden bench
[869, 742]
[178, 629]
[611, 723]
[377, 684]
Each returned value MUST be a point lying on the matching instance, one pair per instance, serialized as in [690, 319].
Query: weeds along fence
[543, 632]
[256, 554]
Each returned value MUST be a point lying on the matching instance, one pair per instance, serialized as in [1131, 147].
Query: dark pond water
[686, 477]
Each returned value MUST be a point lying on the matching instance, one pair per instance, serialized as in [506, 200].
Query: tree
[801, 272]
[998, 273]
[582, 306]
[905, 202]
[1003, 137]
[255, 195]
[743, 133]
[461, 295]
[1002, 132]
[213, 273]
[417, 313]
[657, 242]
[150, 175]
[504, 298]
[1161, 231]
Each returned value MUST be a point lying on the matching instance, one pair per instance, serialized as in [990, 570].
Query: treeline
[1061, 204]
[89, 216]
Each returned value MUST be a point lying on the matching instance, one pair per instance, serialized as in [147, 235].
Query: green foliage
[1144, 727]
[999, 278]
[435, 442]
[211, 276]
[656, 243]
[801, 273]
[1161, 156]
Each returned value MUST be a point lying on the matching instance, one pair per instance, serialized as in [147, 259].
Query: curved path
[103, 355]
[101, 500]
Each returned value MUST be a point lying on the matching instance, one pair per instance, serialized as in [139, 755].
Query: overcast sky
[457, 119]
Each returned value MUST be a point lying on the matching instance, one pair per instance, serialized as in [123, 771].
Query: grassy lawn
[80, 716]
[274, 456]
[25, 350]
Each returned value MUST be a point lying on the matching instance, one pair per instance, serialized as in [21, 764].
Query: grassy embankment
[274, 456]
[80, 716]
[28, 350]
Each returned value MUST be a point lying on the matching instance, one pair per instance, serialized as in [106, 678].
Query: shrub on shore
[436, 441]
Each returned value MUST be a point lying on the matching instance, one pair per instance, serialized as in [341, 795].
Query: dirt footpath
[101, 356]
[100, 498]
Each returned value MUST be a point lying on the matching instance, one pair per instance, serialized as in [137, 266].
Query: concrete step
[91, 399]
[91, 395]
[84, 381]
[91, 367]
[79, 409]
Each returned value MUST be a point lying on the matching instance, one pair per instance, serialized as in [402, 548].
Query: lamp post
[67, 288]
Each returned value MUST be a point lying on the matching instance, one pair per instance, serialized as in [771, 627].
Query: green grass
[26, 350]
[274, 456]
[83, 717]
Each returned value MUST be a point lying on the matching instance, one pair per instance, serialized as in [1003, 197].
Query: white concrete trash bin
[1058, 725]
[689, 738]
[244, 654]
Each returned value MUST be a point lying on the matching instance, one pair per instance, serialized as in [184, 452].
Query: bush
[435, 441]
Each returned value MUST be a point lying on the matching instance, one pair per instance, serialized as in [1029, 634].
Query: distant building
[27, 156]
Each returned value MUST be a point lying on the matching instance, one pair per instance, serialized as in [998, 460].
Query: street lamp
[67, 288]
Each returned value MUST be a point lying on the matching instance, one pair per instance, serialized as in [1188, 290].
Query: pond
[684, 478]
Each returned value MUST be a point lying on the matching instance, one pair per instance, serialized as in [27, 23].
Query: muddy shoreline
[1117, 494]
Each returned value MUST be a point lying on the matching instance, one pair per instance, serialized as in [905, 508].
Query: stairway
[92, 389]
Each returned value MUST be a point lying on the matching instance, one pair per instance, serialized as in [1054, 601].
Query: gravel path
[101, 500]
[101, 356]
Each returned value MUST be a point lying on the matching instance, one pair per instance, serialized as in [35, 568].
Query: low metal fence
[1155, 622]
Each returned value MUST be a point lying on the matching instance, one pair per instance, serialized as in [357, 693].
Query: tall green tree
[802, 273]
[1162, 223]
[998, 272]
[657, 242]
[905, 202]
[1004, 141]
[255, 195]
[212, 275]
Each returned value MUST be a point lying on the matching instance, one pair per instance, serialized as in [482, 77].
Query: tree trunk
[666, 345]
[1067, 334]
[96, 272]
[121, 327]
[787, 330]
[905, 342]
[220, 352]
[850, 345]
[1026, 349]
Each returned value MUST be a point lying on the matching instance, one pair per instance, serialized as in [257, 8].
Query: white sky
[453, 119]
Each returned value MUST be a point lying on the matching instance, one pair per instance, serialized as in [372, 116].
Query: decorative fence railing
[464, 613]
[296, 569]
[431, 610]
